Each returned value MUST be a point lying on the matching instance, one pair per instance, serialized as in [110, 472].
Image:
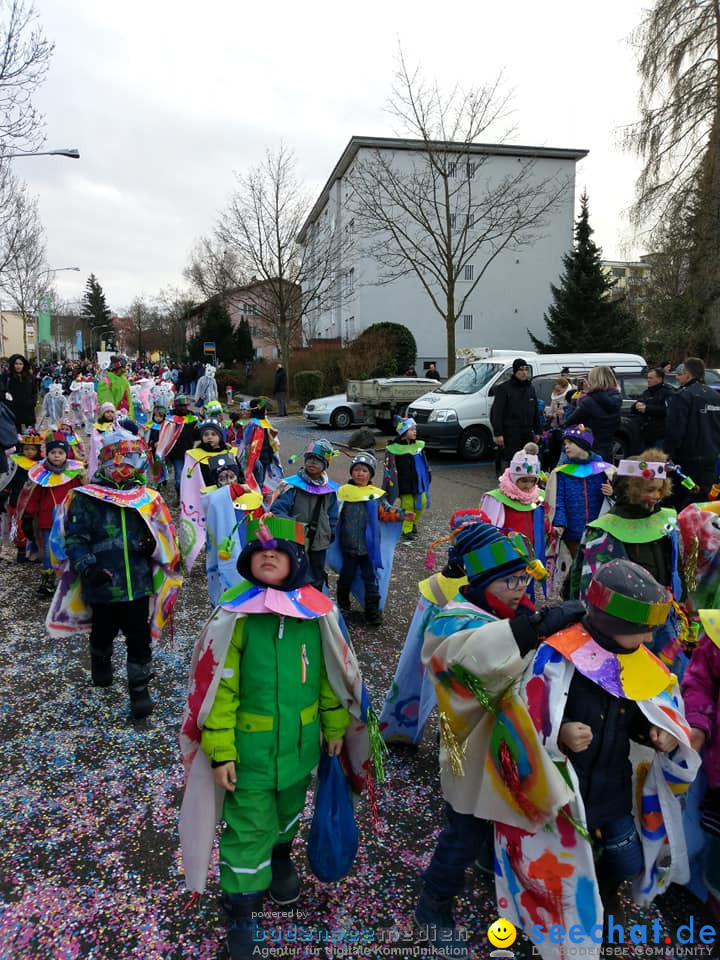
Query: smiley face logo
[502, 933]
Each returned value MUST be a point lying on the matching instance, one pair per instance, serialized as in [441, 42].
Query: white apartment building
[511, 296]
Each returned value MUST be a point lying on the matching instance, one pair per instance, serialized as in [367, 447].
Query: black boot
[343, 598]
[139, 675]
[48, 582]
[101, 668]
[240, 908]
[435, 918]
[373, 617]
[285, 885]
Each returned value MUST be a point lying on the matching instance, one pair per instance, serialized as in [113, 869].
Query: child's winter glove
[98, 576]
[529, 631]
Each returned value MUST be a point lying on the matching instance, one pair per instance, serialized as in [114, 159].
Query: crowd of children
[539, 695]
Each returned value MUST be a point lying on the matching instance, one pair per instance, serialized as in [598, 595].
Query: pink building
[253, 303]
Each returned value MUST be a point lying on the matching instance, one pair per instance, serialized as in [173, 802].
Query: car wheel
[341, 418]
[474, 444]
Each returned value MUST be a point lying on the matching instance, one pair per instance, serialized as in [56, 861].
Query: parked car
[337, 412]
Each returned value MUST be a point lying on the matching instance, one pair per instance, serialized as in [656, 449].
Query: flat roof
[399, 143]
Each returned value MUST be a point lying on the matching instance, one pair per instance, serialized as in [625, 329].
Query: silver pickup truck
[385, 397]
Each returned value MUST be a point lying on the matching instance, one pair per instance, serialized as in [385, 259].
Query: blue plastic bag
[333, 841]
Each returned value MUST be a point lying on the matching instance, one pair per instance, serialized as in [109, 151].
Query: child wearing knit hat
[516, 504]
[311, 497]
[47, 486]
[590, 690]
[407, 474]
[475, 648]
[573, 498]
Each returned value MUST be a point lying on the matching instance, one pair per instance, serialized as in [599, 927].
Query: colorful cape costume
[295, 480]
[605, 540]
[226, 536]
[250, 449]
[411, 697]
[115, 389]
[558, 556]
[699, 526]
[493, 504]
[96, 438]
[68, 613]
[547, 876]
[381, 539]
[169, 433]
[203, 802]
[191, 534]
[390, 479]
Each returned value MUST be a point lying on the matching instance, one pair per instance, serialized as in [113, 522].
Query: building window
[453, 220]
[618, 272]
[350, 281]
[467, 321]
[468, 272]
[452, 168]
[471, 220]
[470, 168]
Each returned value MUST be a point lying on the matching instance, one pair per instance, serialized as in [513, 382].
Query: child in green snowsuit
[262, 734]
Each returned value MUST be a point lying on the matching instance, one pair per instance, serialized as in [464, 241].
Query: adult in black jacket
[20, 392]
[650, 411]
[599, 410]
[692, 436]
[280, 390]
[515, 416]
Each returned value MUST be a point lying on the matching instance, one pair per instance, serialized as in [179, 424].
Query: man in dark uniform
[515, 416]
[692, 435]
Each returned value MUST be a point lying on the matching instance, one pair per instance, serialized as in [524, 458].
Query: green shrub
[308, 385]
[400, 349]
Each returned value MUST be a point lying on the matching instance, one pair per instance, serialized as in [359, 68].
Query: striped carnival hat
[268, 529]
[624, 599]
[487, 554]
[276, 533]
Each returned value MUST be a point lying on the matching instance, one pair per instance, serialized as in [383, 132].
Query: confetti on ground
[89, 863]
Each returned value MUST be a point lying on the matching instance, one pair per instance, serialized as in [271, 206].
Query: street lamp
[71, 152]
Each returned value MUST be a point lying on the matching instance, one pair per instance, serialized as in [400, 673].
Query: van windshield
[471, 378]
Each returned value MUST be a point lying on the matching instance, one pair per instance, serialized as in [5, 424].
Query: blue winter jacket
[579, 500]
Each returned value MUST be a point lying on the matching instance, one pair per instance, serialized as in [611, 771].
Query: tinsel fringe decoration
[474, 684]
[511, 778]
[455, 752]
[378, 747]
[690, 565]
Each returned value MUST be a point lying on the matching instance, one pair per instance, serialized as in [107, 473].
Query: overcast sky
[166, 100]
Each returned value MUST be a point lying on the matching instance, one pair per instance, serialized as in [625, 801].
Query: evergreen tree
[215, 327]
[94, 306]
[244, 349]
[584, 315]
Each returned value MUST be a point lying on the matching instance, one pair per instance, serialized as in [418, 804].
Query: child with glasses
[491, 631]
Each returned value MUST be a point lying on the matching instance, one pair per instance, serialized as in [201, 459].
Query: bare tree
[678, 138]
[24, 60]
[213, 268]
[25, 278]
[174, 306]
[261, 225]
[678, 42]
[437, 211]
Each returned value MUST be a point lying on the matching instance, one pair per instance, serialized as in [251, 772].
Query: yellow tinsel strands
[683, 624]
[378, 747]
[455, 752]
[690, 565]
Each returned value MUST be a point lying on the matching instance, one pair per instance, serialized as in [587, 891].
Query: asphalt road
[89, 863]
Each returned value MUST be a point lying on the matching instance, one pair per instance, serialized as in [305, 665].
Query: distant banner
[78, 341]
[43, 318]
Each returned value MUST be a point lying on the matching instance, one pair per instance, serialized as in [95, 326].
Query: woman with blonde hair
[599, 410]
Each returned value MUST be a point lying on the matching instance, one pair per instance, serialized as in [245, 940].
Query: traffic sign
[209, 346]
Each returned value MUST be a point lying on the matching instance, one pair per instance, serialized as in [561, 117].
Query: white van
[456, 416]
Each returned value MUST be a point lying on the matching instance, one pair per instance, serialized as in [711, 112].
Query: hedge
[308, 385]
